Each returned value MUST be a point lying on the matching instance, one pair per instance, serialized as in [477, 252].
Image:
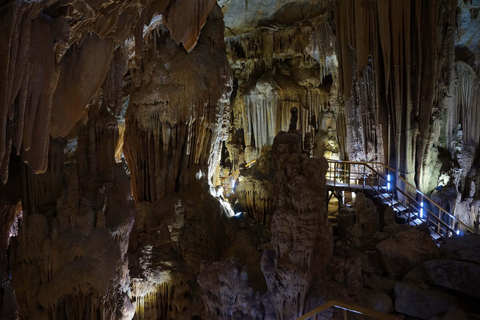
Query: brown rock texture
[405, 250]
[301, 235]
[56, 57]
[70, 256]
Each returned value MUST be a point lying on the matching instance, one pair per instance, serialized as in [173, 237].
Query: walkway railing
[403, 196]
[349, 307]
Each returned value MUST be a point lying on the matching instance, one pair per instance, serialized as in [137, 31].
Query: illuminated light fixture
[388, 183]
[238, 214]
[458, 232]
[421, 210]
[233, 184]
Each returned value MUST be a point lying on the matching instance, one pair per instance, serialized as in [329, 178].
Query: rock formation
[121, 120]
[301, 235]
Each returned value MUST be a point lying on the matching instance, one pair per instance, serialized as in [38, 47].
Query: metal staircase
[409, 204]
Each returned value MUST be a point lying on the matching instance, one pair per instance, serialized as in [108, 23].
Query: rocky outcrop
[57, 55]
[169, 241]
[462, 248]
[175, 123]
[424, 304]
[254, 189]
[367, 217]
[405, 250]
[70, 256]
[227, 292]
[454, 275]
[301, 235]
[178, 110]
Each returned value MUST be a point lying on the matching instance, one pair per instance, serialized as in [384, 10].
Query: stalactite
[398, 53]
[278, 68]
[466, 112]
[156, 304]
[177, 118]
[55, 64]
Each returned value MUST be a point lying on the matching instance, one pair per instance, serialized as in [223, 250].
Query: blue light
[233, 184]
[421, 210]
[388, 183]
[458, 232]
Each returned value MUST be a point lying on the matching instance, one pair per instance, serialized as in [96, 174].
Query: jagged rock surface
[255, 190]
[301, 235]
[178, 111]
[70, 256]
[405, 250]
[57, 55]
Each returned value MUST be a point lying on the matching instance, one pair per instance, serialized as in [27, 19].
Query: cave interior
[239, 159]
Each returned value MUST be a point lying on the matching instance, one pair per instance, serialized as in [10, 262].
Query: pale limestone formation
[287, 61]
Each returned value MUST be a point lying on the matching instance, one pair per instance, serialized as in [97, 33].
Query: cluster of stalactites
[397, 42]
[308, 39]
[159, 158]
[55, 58]
[256, 197]
[465, 116]
[265, 111]
[155, 304]
[177, 116]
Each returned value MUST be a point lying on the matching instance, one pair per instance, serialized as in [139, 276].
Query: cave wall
[56, 56]
[114, 116]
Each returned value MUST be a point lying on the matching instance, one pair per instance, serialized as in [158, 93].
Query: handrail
[401, 178]
[430, 214]
[413, 203]
[351, 307]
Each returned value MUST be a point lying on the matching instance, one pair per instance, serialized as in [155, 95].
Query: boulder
[367, 217]
[389, 217]
[417, 302]
[379, 284]
[346, 221]
[455, 314]
[406, 250]
[379, 301]
[463, 248]
[354, 275]
[459, 276]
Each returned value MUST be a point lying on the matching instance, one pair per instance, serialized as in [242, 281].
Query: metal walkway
[408, 203]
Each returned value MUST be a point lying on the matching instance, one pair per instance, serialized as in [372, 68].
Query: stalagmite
[301, 238]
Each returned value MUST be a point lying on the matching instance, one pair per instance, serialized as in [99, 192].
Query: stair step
[416, 222]
[385, 195]
[435, 235]
[399, 208]
[391, 202]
